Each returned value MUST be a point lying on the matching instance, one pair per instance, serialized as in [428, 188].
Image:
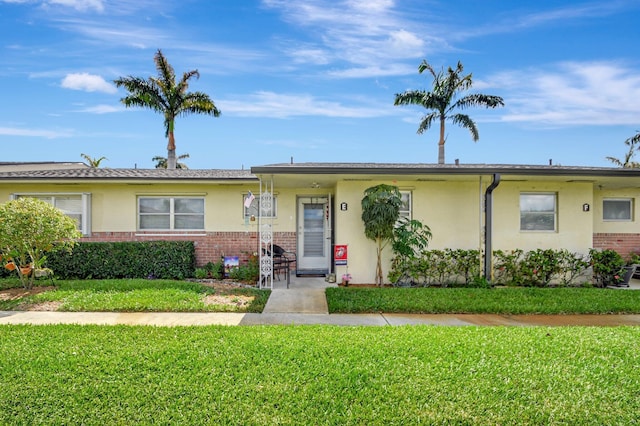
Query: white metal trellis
[265, 230]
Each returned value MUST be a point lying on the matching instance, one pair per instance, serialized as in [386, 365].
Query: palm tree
[161, 162]
[162, 94]
[443, 101]
[632, 143]
[94, 163]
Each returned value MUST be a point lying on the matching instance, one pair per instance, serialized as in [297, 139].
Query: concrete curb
[171, 319]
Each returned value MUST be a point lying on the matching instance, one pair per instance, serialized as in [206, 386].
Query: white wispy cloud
[115, 32]
[514, 22]
[87, 82]
[574, 93]
[374, 71]
[279, 105]
[360, 34]
[80, 5]
[114, 7]
[101, 109]
[40, 133]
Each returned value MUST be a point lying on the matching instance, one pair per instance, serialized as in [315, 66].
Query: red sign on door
[340, 254]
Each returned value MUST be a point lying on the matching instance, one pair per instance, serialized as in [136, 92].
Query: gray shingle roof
[108, 174]
[130, 174]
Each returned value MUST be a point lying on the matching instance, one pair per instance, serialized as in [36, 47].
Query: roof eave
[445, 170]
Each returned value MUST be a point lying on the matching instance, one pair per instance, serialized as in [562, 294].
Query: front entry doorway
[314, 235]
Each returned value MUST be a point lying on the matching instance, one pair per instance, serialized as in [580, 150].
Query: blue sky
[315, 79]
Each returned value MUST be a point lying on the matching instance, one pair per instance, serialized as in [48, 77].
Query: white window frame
[171, 213]
[84, 224]
[407, 207]
[254, 208]
[554, 213]
[629, 201]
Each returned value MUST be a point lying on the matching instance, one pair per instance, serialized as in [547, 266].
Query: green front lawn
[104, 375]
[138, 295]
[508, 300]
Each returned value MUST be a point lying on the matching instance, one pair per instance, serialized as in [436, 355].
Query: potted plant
[345, 279]
[630, 268]
[25, 269]
[42, 272]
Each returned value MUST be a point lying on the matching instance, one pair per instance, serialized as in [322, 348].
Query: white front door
[314, 235]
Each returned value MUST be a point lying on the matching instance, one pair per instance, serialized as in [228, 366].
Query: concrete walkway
[304, 296]
[304, 303]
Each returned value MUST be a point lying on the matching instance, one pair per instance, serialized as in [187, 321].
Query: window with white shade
[170, 213]
[617, 209]
[76, 206]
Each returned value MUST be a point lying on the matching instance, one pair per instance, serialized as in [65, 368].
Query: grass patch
[508, 300]
[139, 295]
[64, 374]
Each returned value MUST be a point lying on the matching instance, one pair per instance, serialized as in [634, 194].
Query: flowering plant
[608, 267]
[346, 277]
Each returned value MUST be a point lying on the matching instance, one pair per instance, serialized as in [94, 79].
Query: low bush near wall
[105, 260]
[608, 267]
[437, 267]
[536, 268]
[539, 268]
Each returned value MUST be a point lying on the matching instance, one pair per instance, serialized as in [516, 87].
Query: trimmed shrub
[535, 268]
[131, 259]
[436, 268]
[538, 268]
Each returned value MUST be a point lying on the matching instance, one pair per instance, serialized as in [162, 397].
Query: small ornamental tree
[380, 212]
[30, 228]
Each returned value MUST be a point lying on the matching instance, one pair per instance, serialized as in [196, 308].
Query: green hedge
[132, 259]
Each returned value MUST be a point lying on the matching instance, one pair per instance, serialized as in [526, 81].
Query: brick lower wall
[622, 243]
[210, 246]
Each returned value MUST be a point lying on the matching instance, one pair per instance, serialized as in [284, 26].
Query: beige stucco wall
[114, 206]
[600, 226]
[453, 212]
[574, 227]
[450, 209]
[286, 220]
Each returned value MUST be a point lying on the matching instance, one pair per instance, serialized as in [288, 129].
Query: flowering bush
[608, 267]
[346, 277]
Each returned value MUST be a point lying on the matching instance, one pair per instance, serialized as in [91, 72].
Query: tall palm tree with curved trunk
[162, 94]
[443, 102]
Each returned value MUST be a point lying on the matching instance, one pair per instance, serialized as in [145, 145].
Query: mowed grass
[508, 300]
[105, 375]
[138, 295]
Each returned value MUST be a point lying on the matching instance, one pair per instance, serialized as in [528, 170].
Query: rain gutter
[488, 225]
